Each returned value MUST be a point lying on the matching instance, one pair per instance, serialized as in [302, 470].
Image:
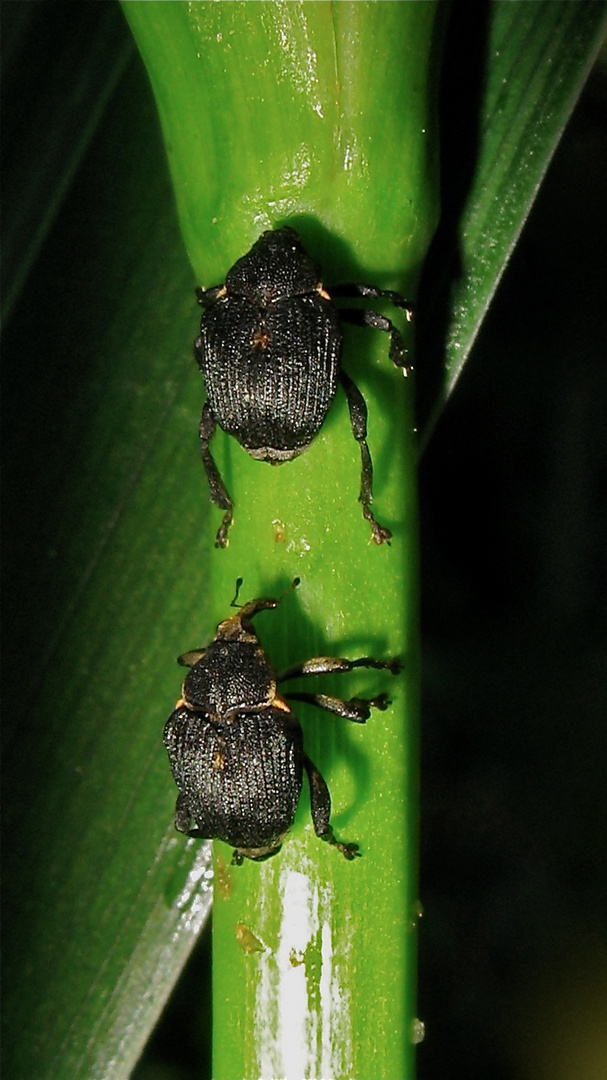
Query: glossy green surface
[276, 111]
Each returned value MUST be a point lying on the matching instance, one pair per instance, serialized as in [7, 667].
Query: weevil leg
[182, 814]
[320, 807]
[324, 665]
[358, 420]
[207, 297]
[217, 488]
[357, 709]
[350, 290]
[360, 317]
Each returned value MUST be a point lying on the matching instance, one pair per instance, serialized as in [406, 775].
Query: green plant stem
[318, 115]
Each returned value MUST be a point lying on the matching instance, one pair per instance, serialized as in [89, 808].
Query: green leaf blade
[538, 58]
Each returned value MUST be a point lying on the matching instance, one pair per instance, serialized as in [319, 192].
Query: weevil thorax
[277, 266]
[233, 676]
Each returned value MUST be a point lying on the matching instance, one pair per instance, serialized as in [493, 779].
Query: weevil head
[277, 266]
[233, 676]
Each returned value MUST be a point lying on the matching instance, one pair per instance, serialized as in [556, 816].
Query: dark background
[513, 490]
[513, 493]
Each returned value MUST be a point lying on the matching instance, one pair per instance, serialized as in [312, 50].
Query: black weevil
[269, 349]
[236, 748]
